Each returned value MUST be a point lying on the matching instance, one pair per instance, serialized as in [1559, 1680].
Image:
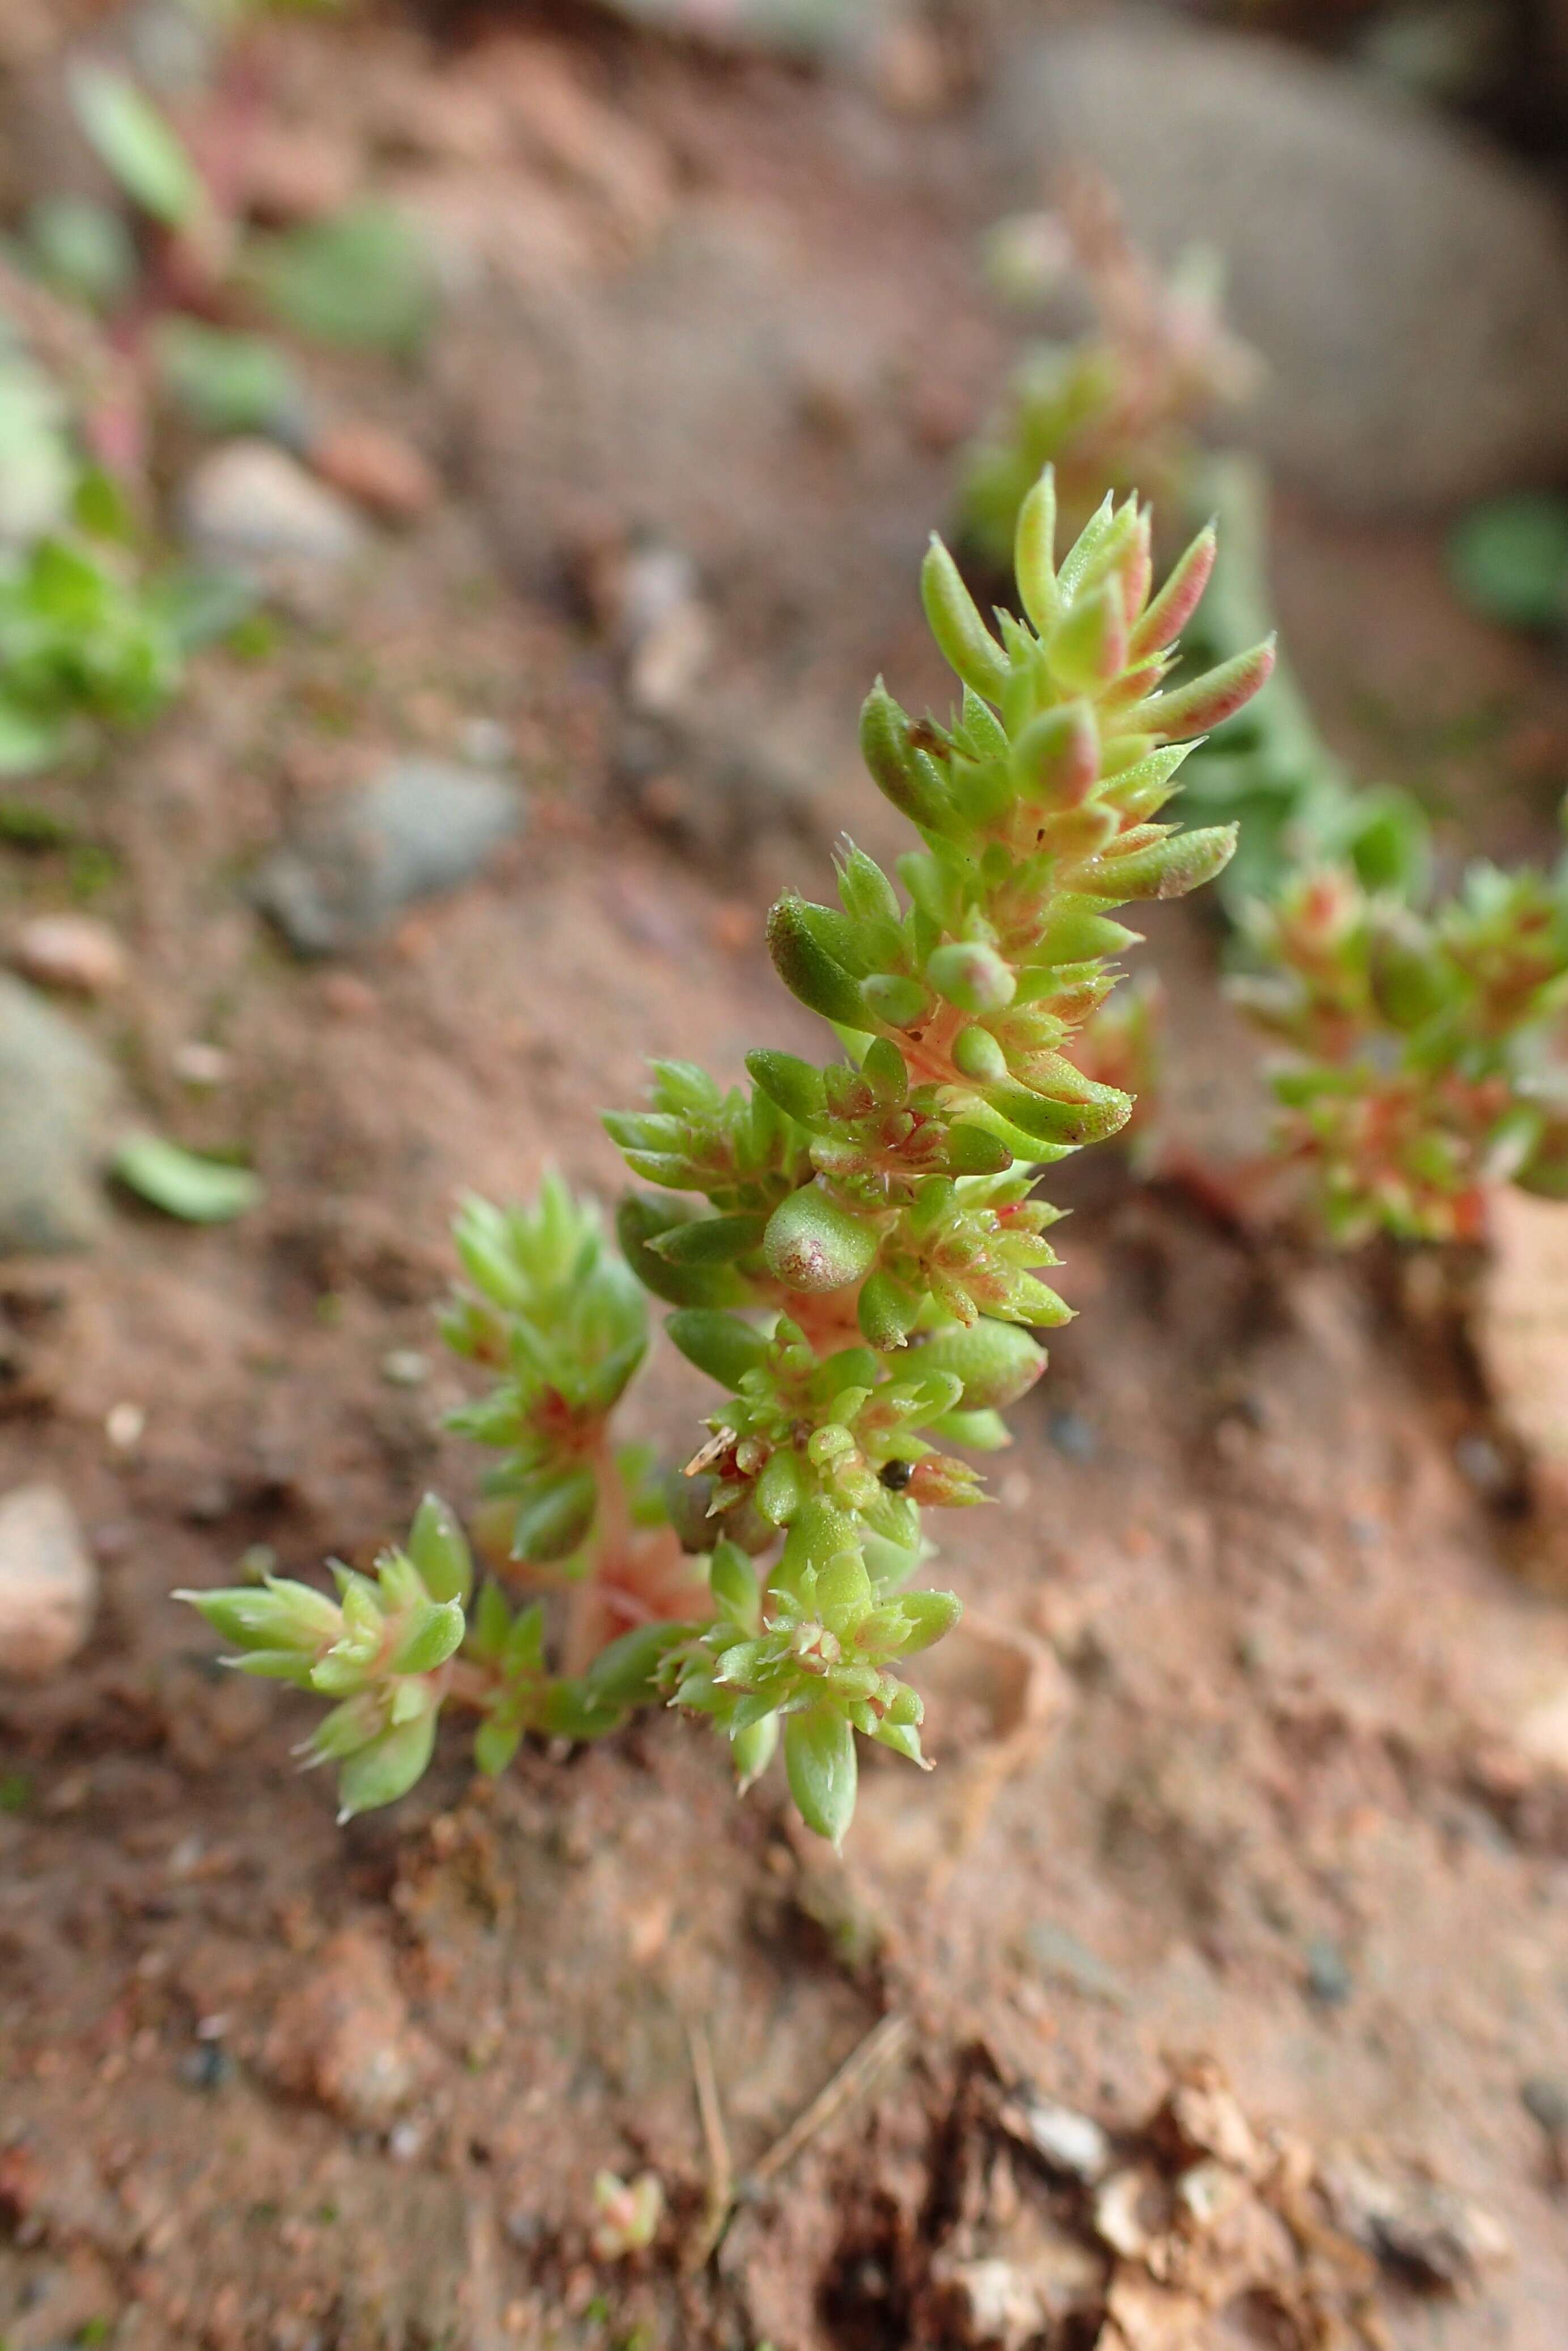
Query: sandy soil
[1227, 1766]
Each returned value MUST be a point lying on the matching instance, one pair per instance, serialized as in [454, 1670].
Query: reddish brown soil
[1225, 1758]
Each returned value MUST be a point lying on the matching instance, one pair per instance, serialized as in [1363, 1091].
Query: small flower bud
[972, 975]
[628, 2216]
[813, 1244]
[978, 1055]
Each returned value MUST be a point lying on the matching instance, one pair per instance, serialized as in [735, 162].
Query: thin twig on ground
[720, 2163]
[883, 2046]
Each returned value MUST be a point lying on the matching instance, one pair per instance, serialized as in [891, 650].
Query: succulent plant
[852, 1250]
[1421, 1052]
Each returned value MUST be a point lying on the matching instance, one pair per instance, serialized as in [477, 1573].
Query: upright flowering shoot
[861, 1268]
[851, 1249]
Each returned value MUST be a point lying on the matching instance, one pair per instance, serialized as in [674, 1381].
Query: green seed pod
[967, 645]
[439, 1550]
[813, 1244]
[977, 1054]
[972, 975]
[997, 1362]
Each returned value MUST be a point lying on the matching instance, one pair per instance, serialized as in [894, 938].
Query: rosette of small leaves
[1423, 1052]
[380, 1650]
[564, 1321]
[802, 1429]
[806, 1651]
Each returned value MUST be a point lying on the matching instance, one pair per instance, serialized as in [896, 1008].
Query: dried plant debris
[1174, 2235]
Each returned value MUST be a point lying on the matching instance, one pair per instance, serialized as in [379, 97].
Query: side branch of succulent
[850, 1250]
[1422, 1053]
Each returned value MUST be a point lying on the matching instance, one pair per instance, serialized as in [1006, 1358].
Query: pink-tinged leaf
[1212, 699]
[1179, 599]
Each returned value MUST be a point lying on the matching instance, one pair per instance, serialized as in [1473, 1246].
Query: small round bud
[813, 1244]
[972, 975]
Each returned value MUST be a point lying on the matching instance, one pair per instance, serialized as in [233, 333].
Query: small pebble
[71, 951]
[376, 469]
[347, 997]
[201, 1065]
[1073, 1434]
[1545, 2100]
[248, 504]
[1328, 1978]
[124, 1425]
[405, 1367]
[1065, 2141]
[1485, 1467]
[207, 2067]
[48, 1582]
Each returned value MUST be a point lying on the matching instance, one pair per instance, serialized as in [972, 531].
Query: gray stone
[1407, 286]
[421, 826]
[56, 1092]
[48, 1583]
[250, 506]
[1065, 2140]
